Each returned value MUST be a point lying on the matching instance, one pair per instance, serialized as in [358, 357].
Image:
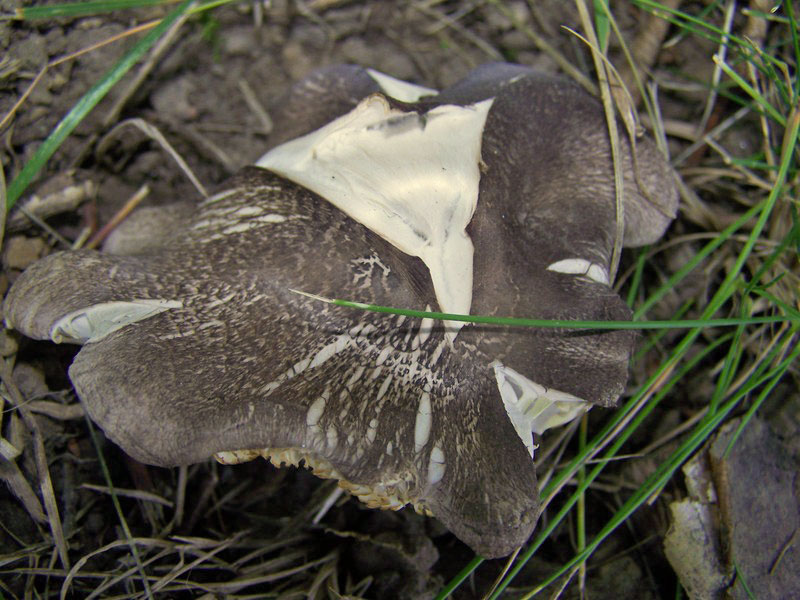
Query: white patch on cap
[354, 377]
[411, 178]
[534, 408]
[422, 426]
[332, 436]
[384, 388]
[314, 413]
[219, 196]
[239, 228]
[436, 465]
[272, 218]
[384, 355]
[248, 211]
[372, 430]
[399, 89]
[424, 331]
[341, 343]
[580, 266]
[93, 323]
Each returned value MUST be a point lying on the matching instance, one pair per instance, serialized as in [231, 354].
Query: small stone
[21, 251]
[500, 22]
[239, 41]
[32, 51]
[173, 100]
[297, 62]
[8, 345]
[30, 381]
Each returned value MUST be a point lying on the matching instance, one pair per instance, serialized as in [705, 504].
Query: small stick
[258, 110]
[40, 455]
[121, 215]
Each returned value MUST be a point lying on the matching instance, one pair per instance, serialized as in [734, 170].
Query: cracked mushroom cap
[493, 197]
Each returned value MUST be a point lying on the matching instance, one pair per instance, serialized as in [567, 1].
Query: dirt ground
[247, 531]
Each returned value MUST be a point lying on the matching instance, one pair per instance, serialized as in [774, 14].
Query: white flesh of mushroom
[410, 178]
[95, 322]
[399, 89]
[580, 266]
[534, 408]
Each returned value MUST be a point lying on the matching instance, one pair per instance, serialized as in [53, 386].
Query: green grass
[791, 317]
[763, 81]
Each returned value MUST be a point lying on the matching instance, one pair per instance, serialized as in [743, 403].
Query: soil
[253, 520]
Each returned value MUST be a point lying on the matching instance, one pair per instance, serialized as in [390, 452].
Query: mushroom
[495, 197]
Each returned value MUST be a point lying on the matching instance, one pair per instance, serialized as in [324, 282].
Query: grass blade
[82, 9]
[555, 323]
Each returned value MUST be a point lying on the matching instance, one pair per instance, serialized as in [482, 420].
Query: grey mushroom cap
[196, 346]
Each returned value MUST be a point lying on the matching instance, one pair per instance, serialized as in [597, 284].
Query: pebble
[21, 251]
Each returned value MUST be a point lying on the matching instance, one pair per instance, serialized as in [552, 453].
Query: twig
[722, 52]
[45, 227]
[40, 456]
[11, 474]
[66, 199]
[120, 216]
[54, 410]
[137, 494]
[258, 110]
[154, 134]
